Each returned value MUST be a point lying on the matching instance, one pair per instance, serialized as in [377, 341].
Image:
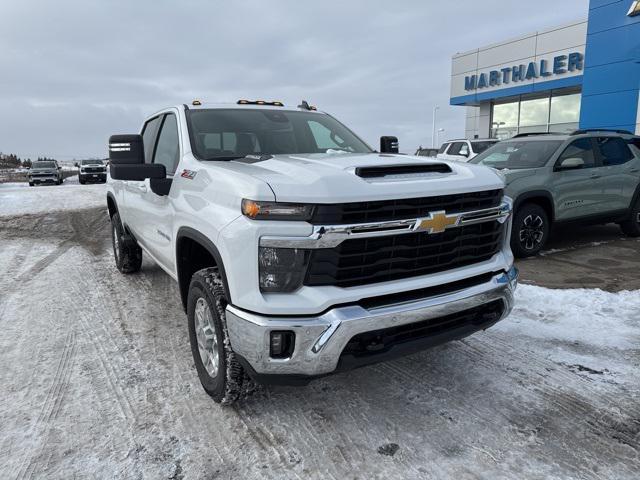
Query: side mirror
[138, 173]
[389, 145]
[77, 165]
[571, 164]
[126, 150]
[126, 156]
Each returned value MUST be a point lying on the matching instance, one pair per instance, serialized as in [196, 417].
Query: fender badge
[189, 174]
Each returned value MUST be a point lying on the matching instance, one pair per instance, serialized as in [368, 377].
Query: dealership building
[582, 75]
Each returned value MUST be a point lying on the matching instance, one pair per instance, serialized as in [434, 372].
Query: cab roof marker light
[196, 103]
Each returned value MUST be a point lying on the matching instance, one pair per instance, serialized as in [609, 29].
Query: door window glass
[583, 149]
[443, 147]
[149, 136]
[455, 148]
[167, 150]
[464, 150]
[614, 151]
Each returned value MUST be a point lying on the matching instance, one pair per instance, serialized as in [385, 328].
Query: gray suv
[589, 176]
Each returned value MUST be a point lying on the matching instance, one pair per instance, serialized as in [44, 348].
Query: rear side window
[149, 136]
[582, 148]
[168, 149]
[443, 147]
[614, 151]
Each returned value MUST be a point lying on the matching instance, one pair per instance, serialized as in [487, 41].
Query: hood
[331, 178]
[512, 175]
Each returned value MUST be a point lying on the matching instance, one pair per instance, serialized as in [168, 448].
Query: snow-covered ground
[20, 198]
[98, 382]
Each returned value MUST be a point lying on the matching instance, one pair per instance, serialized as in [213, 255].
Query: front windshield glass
[518, 154]
[480, 147]
[225, 134]
[91, 162]
[44, 165]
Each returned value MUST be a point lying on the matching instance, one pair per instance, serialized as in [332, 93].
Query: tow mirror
[126, 158]
[126, 150]
[571, 164]
[389, 145]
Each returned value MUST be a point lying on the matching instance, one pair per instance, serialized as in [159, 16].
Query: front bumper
[93, 177]
[320, 340]
[43, 179]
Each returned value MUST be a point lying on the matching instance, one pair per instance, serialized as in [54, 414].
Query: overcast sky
[73, 72]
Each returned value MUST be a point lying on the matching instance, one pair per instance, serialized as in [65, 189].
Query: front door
[578, 192]
[154, 213]
[619, 173]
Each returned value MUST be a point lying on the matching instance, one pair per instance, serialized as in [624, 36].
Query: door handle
[142, 188]
[595, 175]
[634, 170]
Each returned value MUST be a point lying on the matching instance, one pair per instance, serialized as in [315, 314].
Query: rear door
[619, 172]
[578, 192]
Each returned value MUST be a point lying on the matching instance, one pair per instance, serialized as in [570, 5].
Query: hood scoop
[396, 172]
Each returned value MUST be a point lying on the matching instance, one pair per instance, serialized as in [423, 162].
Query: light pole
[433, 133]
[440, 130]
[497, 126]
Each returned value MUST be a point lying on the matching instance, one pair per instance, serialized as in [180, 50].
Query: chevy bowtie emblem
[635, 9]
[437, 222]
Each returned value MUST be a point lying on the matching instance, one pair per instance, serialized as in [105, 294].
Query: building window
[556, 112]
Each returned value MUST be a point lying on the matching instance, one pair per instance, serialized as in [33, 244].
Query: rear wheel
[126, 251]
[631, 226]
[530, 230]
[31, 184]
[220, 374]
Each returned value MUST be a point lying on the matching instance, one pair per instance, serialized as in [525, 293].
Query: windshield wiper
[228, 158]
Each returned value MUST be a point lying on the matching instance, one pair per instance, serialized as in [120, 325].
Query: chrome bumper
[320, 340]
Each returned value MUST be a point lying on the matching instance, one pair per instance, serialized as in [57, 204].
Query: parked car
[45, 172]
[426, 152]
[590, 176]
[298, 250]
[92, 171]
[464, 150]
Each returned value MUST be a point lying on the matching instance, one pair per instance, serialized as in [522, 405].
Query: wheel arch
[112, 206]
[195, 251]
[543, 198]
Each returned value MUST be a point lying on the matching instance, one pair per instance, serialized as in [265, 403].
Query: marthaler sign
[519, 73]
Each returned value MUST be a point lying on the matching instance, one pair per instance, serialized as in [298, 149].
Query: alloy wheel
[531, 232]
[207, 338]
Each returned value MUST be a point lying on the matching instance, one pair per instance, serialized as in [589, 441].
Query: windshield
[44, 165]
[480, 147]
[92, 162]
[514, 154]
[225, 134]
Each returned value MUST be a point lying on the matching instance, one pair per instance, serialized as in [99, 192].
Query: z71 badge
[190, 174]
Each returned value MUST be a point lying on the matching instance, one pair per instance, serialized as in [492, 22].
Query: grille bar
[387, 210]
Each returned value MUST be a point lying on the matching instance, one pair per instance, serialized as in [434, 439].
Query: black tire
[127, 253]
[81, 181]
[631, 226]
[31, 184]
[530, 230]
[223, 378]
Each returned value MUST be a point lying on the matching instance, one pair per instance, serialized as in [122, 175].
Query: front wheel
[126, 251]
[530, 230]
[220, 374]
[631, 226]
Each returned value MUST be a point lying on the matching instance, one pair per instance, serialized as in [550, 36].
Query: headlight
[282, 269]
[276, 211]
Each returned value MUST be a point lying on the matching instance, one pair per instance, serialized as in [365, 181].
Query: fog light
[281, 345]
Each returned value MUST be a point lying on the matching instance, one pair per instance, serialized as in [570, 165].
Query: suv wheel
[530, 230]
[631, 226]
[126, 251]
[220, 374]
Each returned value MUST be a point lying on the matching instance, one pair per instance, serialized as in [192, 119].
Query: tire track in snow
[50, 407]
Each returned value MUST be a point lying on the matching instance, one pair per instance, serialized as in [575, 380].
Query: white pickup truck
[298, 250]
